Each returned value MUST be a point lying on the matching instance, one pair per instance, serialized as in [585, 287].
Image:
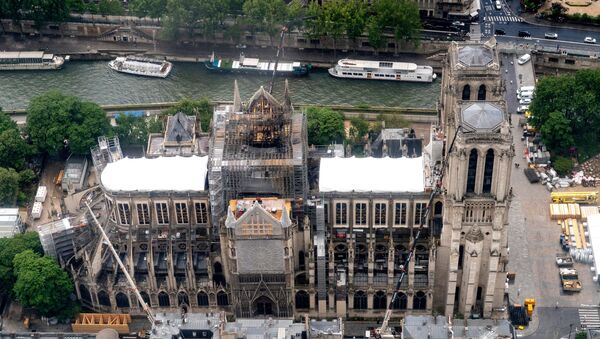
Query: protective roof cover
[475, 55]
[158, 174]
[371, 175]
[481, 117]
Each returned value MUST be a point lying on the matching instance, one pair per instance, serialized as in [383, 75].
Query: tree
[149, 8]
[202, 109]
[54, 118]
[111, 7]
[9, 247]
[375, 33]
[9, 186]
[134, 130]
[406, 21]
[577, 98]
[266, 15]
[355, 18]
[14, 151]
[359, 127]
[41, 283]
[558, 11]
[556, 132]
[562, 165]
[332, 20]
[324, 126]
[581, 335]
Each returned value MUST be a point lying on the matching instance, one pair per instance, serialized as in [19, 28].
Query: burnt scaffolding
[257, 150]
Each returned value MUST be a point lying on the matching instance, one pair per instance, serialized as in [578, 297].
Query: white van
[523, 59]
[525, 95]
[498, 5]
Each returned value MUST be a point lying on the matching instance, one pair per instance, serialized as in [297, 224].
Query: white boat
[31, 60]
[382, 70]
[142, 66]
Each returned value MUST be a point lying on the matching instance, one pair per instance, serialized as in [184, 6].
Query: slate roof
[481, 117]
[477, 55]
[180, 128]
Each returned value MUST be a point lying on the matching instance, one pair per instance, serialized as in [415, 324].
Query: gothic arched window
[472, 171]
[466, 94]
[481, 92]
[360, 300]
[488, 170]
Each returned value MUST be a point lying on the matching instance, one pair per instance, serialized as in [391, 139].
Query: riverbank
[80, 48]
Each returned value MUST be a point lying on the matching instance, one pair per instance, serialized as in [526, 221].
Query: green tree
[375, 33]
[26, 177]
[332, 18]
[111, 7]
[148, 8]
[14, 151]
[562, 165]
[135, 130]
[41, 283]
[266, 16]
[406, 22]
[556, 132]
[9, 186]
[202, 109]
[581, 335]
[355, 18]
[54, 118]
[325, 126]
[359, 127]
[9, 247]
[558, 11]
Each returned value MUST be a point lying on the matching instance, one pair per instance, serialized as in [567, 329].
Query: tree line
[333, 19]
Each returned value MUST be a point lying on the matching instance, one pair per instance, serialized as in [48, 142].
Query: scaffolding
[108, 150]
[257, 149]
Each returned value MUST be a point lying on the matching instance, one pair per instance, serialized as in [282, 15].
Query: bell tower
[473, 245]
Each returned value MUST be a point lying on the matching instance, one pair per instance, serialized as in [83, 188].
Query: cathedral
[251, 220]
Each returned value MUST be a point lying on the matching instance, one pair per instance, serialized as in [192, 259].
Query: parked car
[522, 108]
[525, 101]
[498, 5]
[553, 36]
[458, 23]
[523, 59]
[524, 34]
[523, 95]
[589, 40]
[499, 32]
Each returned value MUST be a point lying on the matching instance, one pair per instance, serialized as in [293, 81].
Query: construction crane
[284, 30]
[384, 332]
[105, 238]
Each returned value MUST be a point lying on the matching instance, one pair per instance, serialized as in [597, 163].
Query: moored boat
[255, 65]
[142, 66]
[382, 70]
[29, 60]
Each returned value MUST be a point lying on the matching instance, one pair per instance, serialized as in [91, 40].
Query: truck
[564, 260]
[569, 280]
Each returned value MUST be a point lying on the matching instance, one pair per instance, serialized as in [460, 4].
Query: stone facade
[473, 245]
[264, 238]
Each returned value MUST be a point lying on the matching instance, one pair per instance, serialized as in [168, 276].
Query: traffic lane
[549, 43]
[556, 323]
[564, 34]
[510, 81]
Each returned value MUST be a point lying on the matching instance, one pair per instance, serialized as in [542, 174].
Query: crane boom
[279, 47]
[145, 306]
[411, 248]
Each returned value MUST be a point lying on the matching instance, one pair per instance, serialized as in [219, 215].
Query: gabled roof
[475, 55]
[180, 128]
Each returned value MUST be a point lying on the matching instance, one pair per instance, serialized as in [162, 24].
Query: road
[507, 19]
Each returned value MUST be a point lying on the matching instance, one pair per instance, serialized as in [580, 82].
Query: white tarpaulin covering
[371, 175]
[593, 222]
[158, 174]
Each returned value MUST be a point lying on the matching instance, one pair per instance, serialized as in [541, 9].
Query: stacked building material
[565, 211]
[587, 211]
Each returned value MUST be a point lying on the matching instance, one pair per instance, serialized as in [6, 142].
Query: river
[94, 81]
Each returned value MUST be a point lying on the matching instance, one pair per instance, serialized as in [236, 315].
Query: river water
[95, 81]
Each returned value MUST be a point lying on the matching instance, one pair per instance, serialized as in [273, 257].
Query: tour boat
[142, 66]
[32, 60]
[254, 65]
[382, 70]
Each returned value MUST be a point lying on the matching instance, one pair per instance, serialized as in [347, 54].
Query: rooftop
[481, 117]
[177, 173]
[475, 55]
[272, 205]
[372, 175]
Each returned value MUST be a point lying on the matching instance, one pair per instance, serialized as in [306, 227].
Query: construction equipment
[530, 305]
[575, 197]
[564, 260]
[384, 331]
[106, 240]
[569, 280]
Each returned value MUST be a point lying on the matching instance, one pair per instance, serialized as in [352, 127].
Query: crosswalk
[502, 18]
[589, 317]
